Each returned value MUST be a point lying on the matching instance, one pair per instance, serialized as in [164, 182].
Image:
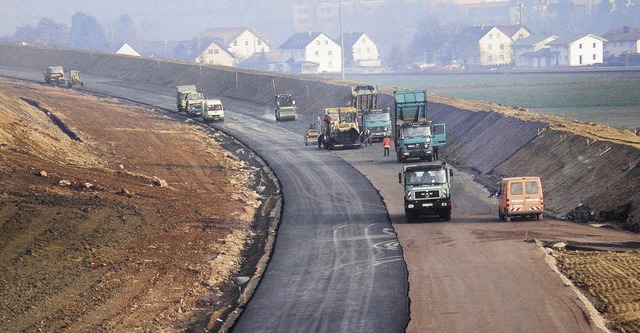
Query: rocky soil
[117, 218]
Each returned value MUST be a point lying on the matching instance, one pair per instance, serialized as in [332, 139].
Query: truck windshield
[409, 132]
[195, 96]
[377, 117]
[431, 177]
[349, 117]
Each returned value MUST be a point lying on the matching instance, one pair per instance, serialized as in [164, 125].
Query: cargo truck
[339, 129]
[415, 135]
[181, 95]
[427, 190]
[55, 75]
[374, 121]
[285, 107]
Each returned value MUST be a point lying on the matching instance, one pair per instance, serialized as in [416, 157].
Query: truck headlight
[410, 206]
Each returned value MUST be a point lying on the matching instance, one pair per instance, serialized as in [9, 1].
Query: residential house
[264, 61]
[621, 41]
[215, 54]
[487, 45]
[127, 49]
[302, 50]
[361, 53]
[578, 50]
[533, 51]
[240, 42]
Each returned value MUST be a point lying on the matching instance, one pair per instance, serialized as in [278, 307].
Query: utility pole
[520, 9]
[341, 43]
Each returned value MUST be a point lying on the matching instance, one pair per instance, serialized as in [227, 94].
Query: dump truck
[212, 110]
[74, 79]
[373, 120]
[285, 107]
[194, 103]
[415, 136]
[427, 190]
[181, 95]
[364, 97]
[339, 129]
[54, 75]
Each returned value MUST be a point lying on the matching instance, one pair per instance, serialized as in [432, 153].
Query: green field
[612, 99]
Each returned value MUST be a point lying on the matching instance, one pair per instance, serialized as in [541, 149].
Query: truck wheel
[446, 215]
[500, 215]
[539, 217]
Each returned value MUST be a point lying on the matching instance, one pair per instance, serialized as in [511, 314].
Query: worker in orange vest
[386, 144]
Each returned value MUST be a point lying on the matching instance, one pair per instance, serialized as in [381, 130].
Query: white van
[213, 110]
[520, 196]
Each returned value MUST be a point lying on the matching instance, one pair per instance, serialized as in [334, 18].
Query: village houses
[361, 53]
[486, 45]
[533, 51]
[625, 40]
[230, 46]
[577, 50]
[310, 53]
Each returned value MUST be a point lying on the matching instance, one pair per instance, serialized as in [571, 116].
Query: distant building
[625, 40]
[240, 42]
[361, 53]
[533, 51]
[127, 50]
[578, 50]
[325, 16]
[215, 54]
[304, 51]
[264, 61]
[487, 46]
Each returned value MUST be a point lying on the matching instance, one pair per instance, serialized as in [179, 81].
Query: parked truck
[285, 107]
[189, 100]
[415, 135]
[55, 75]
[427, 190]
[339, 129]
[181, 95]
[375, 122]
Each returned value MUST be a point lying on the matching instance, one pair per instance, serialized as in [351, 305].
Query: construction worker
[386, 144]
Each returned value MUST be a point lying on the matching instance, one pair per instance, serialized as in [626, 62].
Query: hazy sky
[154, 19]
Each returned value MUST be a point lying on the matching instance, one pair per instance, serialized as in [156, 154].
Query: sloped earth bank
[116, 218]
[580, 163]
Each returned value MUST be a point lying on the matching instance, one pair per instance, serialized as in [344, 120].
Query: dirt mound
[115, 218]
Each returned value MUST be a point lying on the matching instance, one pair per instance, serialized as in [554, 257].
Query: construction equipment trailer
[339, 129]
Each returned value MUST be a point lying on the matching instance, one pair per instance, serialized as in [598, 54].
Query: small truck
[212, 110]
[427, 190]
[55, 75]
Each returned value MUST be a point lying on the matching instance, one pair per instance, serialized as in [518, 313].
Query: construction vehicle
[181, 96]
[55, 75]
[339, 129]
[194, 103]
[375, 122]
[415, 135]
[212, 110]
[364, 97]
[285, 107]
[427, 190]
[74, 79]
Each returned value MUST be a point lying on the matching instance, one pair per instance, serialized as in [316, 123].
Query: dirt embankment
[116, 218]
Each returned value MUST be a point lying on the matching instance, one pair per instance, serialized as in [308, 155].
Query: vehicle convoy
[340, 129]
[212, 110]
[520, 196]
[376, 121]
[74, 79]
[426, 190]
[415, 135]
[55, 75]
[285, 107]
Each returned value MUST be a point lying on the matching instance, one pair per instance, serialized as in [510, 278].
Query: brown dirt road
[128, 221]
